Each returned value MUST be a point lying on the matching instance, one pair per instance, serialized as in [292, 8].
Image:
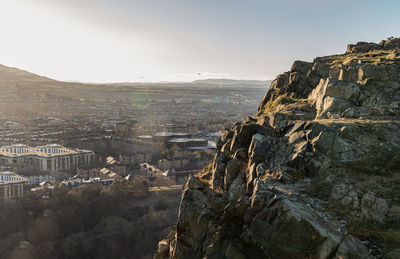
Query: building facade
[165, 164]
[11, 186]
[35, 179]
[49, 158]
[103, 173]
[135, 159]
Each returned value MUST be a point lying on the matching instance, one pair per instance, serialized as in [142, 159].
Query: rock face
[302, 178]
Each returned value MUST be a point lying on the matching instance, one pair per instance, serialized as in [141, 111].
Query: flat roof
[201, 147]
[21, 180]
[145, 136]
[168, 134]
[32, 151]
[187, 139]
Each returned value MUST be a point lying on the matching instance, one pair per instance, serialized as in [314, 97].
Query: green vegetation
[283, 103]
[140, 100]
[271, 106]
[369, 57]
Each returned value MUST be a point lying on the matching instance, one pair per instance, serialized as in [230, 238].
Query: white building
[46, 158]
[11, 185]
[35, 179]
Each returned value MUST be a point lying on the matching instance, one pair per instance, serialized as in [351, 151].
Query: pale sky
[183, 40]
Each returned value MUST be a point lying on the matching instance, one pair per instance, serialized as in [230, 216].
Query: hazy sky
[183, 40]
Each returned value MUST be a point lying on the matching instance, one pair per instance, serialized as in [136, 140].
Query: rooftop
[169, 134]
[186, 139]
[51, 150]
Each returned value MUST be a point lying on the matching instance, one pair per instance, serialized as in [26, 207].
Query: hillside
[11, 74]
[314, 174]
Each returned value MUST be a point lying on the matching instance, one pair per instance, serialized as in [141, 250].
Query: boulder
[218, 171]
[374, 208]
[301, 66]
[348, 74]
[294, 230]
[349, 245]
[342, 90]
[372, 72]
[237, 188]
[259, 147]
[394, 212]
[350, 200]
[368, 199]
[339, 191]
[296, 136]
[232, 169]
[390, 43]
[251, 174]
[333, 97]
[379, 210]
[332, 106]
[243, 135]
[321, 68]
[362, 47]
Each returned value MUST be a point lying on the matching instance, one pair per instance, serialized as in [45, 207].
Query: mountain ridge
[15, 75]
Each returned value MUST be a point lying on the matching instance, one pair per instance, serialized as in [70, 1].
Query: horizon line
[161, 82]
[136, 82]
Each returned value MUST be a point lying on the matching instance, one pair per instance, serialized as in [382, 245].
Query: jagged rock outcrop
[315, 174]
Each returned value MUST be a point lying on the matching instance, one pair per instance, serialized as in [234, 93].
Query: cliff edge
[315, 174]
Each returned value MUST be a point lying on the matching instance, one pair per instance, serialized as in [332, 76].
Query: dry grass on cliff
[374, 56]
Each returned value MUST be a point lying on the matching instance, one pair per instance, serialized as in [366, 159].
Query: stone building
[135, 158]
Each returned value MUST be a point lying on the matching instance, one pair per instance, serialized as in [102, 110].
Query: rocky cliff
[315, 174]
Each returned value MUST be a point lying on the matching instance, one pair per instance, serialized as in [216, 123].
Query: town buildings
[50, 158]
[165, 164]
[149, 170]
[188, 142]
[135, 158]
[112, 172]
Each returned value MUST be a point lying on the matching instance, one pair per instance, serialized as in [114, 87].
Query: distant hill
[17, 76]
[12, 74]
